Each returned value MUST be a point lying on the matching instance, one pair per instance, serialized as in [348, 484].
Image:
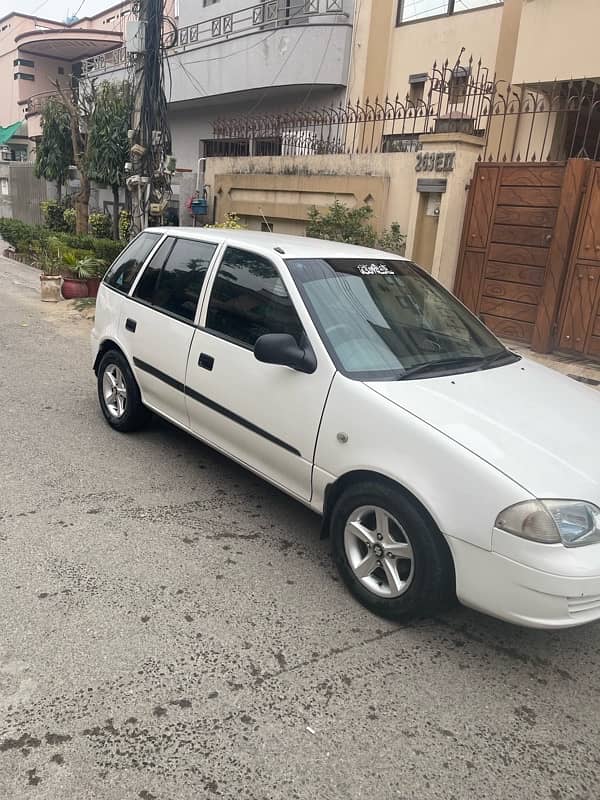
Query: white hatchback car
[442, 463]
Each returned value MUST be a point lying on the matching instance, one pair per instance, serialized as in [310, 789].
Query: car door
[159, 324]
[264, 415]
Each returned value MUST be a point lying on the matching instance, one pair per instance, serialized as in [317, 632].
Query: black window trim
[226, 243]
[208, 280]
[161, 236]
[451, 12]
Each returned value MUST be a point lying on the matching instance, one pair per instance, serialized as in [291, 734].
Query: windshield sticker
[374, 269]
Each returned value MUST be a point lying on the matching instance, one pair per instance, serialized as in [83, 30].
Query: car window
[173, 279]
[249, 300]
[124, 271]
[147, 283]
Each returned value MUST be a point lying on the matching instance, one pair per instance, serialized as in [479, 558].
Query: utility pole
[151, 163]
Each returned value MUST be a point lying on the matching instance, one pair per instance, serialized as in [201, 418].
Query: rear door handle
[131, 325]
[206, 362]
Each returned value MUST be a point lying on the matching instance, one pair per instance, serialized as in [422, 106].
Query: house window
[4, 186]
[207, 3]
[23, 76]
[226, 147]
[415, 10]
[23, 62]
[416, 83]
[61, 70]
[459, 82]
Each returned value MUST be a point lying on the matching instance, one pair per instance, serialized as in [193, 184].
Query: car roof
[293, 246]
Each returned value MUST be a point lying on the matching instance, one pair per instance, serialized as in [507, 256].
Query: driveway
[172, 628]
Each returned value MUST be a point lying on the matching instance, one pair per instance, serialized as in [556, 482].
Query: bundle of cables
[152, 133]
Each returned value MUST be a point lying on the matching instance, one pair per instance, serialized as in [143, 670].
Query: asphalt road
[171, 628]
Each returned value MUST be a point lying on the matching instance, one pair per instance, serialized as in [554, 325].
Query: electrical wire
[151, 130]
[278, 73]
[319, 68]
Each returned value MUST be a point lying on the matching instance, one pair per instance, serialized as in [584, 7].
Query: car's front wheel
[119, 394]
[390, 555]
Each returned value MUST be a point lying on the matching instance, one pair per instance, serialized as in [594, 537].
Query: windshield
[387, 319]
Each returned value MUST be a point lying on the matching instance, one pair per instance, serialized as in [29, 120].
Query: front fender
[463, 493]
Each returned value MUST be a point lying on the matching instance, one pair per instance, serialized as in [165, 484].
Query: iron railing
[545, 121]
[37, 103]
[265, 15]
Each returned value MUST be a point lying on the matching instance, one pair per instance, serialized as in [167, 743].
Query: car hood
[539, 427]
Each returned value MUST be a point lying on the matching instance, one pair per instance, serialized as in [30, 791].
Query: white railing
[265, 15]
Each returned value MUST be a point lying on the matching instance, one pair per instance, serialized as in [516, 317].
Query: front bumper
[562, 590]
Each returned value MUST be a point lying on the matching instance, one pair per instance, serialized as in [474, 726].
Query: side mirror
[282, 349]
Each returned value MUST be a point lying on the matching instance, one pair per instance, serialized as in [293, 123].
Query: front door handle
[205, 361]
[131, 325]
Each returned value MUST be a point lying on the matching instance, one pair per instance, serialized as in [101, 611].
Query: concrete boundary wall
[424, 191]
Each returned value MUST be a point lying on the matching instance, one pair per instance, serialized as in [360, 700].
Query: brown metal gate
[517, 238]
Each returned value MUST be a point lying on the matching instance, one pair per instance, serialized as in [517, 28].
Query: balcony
[67, 44]
[266, 45]
[33, 113]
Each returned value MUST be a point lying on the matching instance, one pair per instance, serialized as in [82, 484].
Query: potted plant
[50, 278]
[74, 284]
[91, 269]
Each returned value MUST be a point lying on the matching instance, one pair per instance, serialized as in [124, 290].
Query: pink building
[35, 53]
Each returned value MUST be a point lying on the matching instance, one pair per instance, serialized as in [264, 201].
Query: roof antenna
[265, 220]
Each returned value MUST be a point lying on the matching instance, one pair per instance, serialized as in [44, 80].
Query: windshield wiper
[498, 359]
[447, 363]
[478, 362]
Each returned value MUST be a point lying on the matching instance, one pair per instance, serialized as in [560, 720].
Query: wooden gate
[580, 313]
[518, 232]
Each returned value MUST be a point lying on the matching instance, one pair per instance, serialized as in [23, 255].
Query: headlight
[572, 522]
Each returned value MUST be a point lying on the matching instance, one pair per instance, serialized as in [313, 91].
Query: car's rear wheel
[389, 553]
[119, 394]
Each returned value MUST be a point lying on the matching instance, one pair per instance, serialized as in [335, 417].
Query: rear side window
[249, 300]
[173, 279]
[125, 269]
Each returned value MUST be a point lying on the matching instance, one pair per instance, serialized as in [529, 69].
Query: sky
[54, 9]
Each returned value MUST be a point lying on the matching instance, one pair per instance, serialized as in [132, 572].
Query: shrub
[17, 233]
[107, 249]
[353, 226]
[53, 214]
[392, 240]
[101, 225]
[70, 218]
[231, 222]
[80, 241]
[104, 249]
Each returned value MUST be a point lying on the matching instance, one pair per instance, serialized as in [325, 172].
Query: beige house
[433, 87]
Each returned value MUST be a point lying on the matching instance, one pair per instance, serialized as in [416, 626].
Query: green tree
[54, 153]
[108, 143]
[78, 102]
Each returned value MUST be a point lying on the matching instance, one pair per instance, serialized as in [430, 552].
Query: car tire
[390, 554]
[119, 394]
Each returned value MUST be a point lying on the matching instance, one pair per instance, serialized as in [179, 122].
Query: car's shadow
[538, 649]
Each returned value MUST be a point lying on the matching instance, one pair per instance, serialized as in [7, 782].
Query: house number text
[435, 162]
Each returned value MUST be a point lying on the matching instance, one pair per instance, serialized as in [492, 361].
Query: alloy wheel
[379, 551]
[114, 391]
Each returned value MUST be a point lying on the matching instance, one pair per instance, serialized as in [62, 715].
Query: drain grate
[583, 379]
